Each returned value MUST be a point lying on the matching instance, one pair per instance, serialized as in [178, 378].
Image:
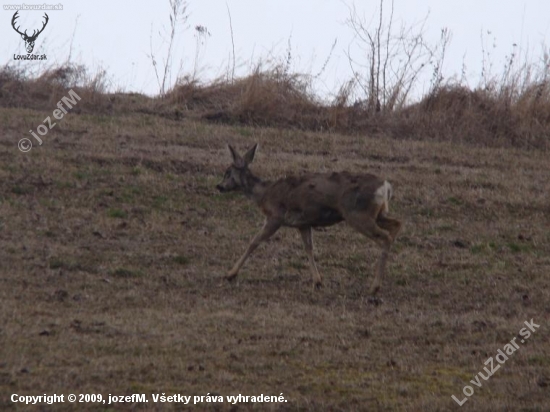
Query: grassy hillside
[114, 242]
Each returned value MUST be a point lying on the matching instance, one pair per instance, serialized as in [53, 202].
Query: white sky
[116, 35]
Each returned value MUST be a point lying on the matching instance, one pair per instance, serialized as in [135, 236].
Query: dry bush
[191, 95]
[11, 84]
[270, 97]
[533, 108]
[20, 89]
[483, 117]
[274, 96]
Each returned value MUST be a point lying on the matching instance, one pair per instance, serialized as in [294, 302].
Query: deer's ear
[237, 159]
[249, 156]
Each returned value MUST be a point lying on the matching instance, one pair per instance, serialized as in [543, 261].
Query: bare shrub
[163, 69]
[387, 61]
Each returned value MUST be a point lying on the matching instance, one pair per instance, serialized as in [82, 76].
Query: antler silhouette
[15, 16]
[43, 27]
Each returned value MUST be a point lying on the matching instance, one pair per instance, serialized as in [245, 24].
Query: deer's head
[238, 176]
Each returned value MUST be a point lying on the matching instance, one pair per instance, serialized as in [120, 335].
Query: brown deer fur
[313, 200]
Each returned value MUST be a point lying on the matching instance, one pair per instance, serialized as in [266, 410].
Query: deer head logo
[29, 40]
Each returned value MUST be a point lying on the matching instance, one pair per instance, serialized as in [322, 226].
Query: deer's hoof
[373, 300]
[374, 290]
[230, 277]
[318, 284]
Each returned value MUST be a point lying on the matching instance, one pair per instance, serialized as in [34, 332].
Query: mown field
[114, 244]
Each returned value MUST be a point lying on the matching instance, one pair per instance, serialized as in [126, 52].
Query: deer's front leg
[270, 227]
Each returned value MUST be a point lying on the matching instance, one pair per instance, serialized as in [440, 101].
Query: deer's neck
[255, 187]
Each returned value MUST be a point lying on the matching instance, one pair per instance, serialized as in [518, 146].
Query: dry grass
[483, 117]
[270, 97]
[113, 244]
[503, 115]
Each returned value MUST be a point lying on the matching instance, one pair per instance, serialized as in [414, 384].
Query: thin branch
[388, 43]
[232, 43]
[327, 60]
[378, 47]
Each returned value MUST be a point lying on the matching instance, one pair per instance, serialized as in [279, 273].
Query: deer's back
[320, 199]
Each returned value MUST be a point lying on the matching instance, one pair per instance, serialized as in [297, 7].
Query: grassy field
[114, 242]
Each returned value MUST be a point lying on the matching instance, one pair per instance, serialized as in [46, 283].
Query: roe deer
[312, 200]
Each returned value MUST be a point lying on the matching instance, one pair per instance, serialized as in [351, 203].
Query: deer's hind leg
[270, 227]
[365, 223]
[393, 226]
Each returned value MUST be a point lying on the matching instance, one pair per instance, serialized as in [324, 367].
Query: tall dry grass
[482, 117]
[19, 88]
